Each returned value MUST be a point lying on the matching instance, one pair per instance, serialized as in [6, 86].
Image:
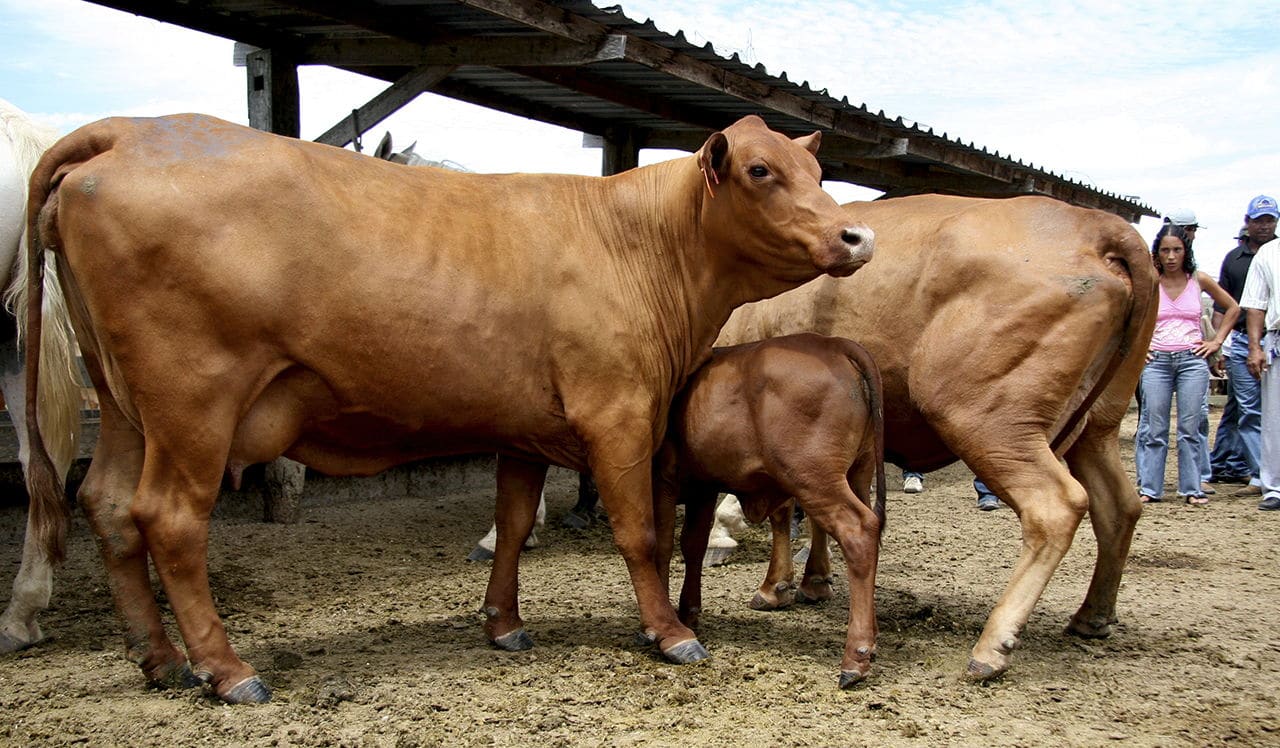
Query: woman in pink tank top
[1177, 366]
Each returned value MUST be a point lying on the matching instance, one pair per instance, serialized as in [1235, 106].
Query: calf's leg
[778, 589]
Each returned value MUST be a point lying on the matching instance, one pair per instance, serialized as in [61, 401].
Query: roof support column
[273, 93]
[621, 151]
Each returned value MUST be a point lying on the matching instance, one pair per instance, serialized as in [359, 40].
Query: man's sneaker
[1270, 504]
[988, 502]
[912, 484]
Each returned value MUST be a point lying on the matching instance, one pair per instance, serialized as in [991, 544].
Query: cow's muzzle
[852, 251]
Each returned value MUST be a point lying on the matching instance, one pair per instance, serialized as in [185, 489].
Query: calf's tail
[861, 359]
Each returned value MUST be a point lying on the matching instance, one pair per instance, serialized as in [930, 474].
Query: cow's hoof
[980, 672]
[480, 553]
[851, 678]
[177, 678]
[515, 641]
[687, 651]
[251, 690]
[1098, 628]
[576, 521]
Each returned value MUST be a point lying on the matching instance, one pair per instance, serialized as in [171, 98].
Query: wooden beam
[385, 104]
[621, 151]
[272, 79]
[491, 51]
[194, 16]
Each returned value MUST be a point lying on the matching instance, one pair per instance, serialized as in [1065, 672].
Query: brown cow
[239, 296]
[1009, 333]
[797, 416]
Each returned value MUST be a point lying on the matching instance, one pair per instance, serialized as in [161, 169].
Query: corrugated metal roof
[658, 86]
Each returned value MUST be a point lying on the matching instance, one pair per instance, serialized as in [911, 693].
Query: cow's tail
[861, 359]
[50, 348]
[1127, 253]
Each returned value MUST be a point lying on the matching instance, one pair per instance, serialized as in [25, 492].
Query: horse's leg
[519, 486]
[778, 589]
[34, 584]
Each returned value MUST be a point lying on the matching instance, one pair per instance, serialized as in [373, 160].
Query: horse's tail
[60, 383]
[50, 350]
[861, 359]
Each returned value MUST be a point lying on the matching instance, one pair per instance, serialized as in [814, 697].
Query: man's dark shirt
[1235, 268]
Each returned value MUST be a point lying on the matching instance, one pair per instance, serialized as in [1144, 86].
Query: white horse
[22, 142]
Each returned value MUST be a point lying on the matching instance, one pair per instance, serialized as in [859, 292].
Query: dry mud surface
[363, 620]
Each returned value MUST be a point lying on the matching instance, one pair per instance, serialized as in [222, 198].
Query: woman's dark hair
[1188, 257]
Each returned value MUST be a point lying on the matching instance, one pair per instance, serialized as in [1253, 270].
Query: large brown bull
[239, 296]
[1009, 334]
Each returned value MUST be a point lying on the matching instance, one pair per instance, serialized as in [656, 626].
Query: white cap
[1182, 217]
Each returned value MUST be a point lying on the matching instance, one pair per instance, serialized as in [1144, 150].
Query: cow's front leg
[519, 490]
[622, 464]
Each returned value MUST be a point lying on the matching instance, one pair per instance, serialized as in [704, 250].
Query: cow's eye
[758, 172]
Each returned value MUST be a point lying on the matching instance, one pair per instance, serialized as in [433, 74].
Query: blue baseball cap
[1262, 205]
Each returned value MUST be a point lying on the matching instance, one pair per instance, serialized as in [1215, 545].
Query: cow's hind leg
[1050, 505]
[1114, 509]
[106, 496]
[181, 475]
[519, 489]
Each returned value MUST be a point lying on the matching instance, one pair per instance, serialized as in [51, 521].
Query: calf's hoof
[480, 553]
[576, 521]
[782, 596]
[515, 641]
[818, 591]
[851, 678]
[687, 651]
[251, 690]
[1095, 628]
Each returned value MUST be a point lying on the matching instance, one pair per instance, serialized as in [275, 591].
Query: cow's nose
[858, 237]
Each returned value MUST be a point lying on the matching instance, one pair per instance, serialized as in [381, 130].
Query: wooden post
[620, 151]
[273, 93]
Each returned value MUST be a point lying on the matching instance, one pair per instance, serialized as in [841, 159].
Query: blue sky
[1176, 102]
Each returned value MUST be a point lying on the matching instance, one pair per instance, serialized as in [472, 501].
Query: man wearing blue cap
[1239, 441]
[1261, 302]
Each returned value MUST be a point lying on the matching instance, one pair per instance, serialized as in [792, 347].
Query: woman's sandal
[1197, 500]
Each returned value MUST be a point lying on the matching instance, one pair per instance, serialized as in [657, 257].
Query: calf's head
[765, 205]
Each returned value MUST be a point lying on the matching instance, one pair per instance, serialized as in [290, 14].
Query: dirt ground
[363, 620]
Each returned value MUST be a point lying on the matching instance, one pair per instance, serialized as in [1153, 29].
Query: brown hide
[790, 417]
[1009, 333]
[240, 296]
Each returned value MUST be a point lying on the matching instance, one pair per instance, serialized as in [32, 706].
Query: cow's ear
[383, 151]
[713, 157]
[810, 142]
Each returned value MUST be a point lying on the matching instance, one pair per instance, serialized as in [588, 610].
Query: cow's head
[765, 203]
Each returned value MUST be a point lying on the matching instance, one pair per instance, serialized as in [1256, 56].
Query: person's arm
[1229, 316]
[1257, 361]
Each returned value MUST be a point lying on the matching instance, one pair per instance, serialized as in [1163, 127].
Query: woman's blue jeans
[1185, 375]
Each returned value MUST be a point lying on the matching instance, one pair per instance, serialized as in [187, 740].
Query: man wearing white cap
[1261, 302]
